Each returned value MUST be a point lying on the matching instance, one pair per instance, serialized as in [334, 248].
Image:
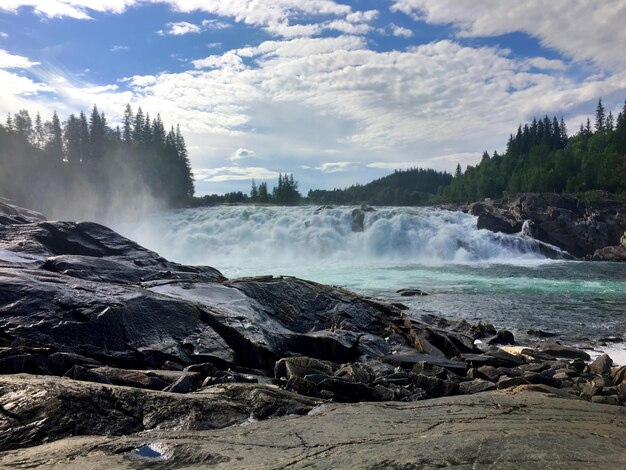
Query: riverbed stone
[602, 365]
[560, 350]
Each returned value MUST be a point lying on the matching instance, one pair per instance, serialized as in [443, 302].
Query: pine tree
[39, 134]
[72, 140]
[254, 192]
[97, 133]
[147, 130]
[54, 148]
[600, 117]
[263, 194]
[23, 125]
[138, 127]
[458, 173]
[85, 147]
[9, 124]
[610, 122]
[127, 126]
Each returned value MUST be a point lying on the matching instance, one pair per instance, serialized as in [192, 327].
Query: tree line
[401, 188]
[83, 166]
[541, 157]
[284, 193]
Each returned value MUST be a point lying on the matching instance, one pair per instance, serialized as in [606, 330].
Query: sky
[335, 92]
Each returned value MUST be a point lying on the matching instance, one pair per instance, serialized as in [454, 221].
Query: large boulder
[74, 408]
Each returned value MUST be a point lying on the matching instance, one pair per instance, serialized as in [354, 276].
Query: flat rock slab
[512, 429]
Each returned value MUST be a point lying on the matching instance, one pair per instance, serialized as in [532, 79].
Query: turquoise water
[468, 273]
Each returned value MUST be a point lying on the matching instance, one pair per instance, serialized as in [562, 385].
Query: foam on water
[256, 238]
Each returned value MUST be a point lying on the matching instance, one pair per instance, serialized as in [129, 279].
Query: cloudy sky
[334, 91]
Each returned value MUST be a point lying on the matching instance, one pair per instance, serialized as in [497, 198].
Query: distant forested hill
[82, 167]
[401, 188]
[540, 157]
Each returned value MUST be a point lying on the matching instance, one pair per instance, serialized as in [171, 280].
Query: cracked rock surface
[512, 429]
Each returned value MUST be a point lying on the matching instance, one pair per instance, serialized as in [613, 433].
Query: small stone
[476, 386]
[602, 365]
[170, 365]
[510, 382]
[559, 350]
[185, 384]
[502, 337]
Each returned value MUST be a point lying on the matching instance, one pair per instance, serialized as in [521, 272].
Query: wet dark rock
[185, 384]
[171, 365]
[581, 228]
[502, 337]
[11, 214]
[358, 220]
[323, 208]
[481, 330]
[497, 223]
[205, 368]
[496, 358]
[541, 334]
[23, 363]
[61, 362]
[559, 350]
[410, 292]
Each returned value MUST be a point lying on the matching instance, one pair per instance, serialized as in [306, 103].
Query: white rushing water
[239, 239]
[469, 273]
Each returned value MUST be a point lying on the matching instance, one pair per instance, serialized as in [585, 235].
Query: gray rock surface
[36, 409]
[498, 430]
[583, 228]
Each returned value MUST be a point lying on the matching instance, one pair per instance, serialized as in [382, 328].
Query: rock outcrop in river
[99, 336]
[590, 229]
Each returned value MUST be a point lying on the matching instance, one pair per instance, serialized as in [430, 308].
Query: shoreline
[125, 342]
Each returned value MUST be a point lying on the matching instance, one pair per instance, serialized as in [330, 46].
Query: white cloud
[3, 35]
[119, 48]
[546, 64]
[362, 16]
[295, 99]
[334, 167]
[242, 154]
[233, 173]
[348, 27]
[181, 28]
[274, 16]
[10, 61]
[77, 9]
[215, 24]
[585, 30]
[399, 31]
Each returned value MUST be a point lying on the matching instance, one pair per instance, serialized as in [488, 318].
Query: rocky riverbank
[101, 337]
[592, 229]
